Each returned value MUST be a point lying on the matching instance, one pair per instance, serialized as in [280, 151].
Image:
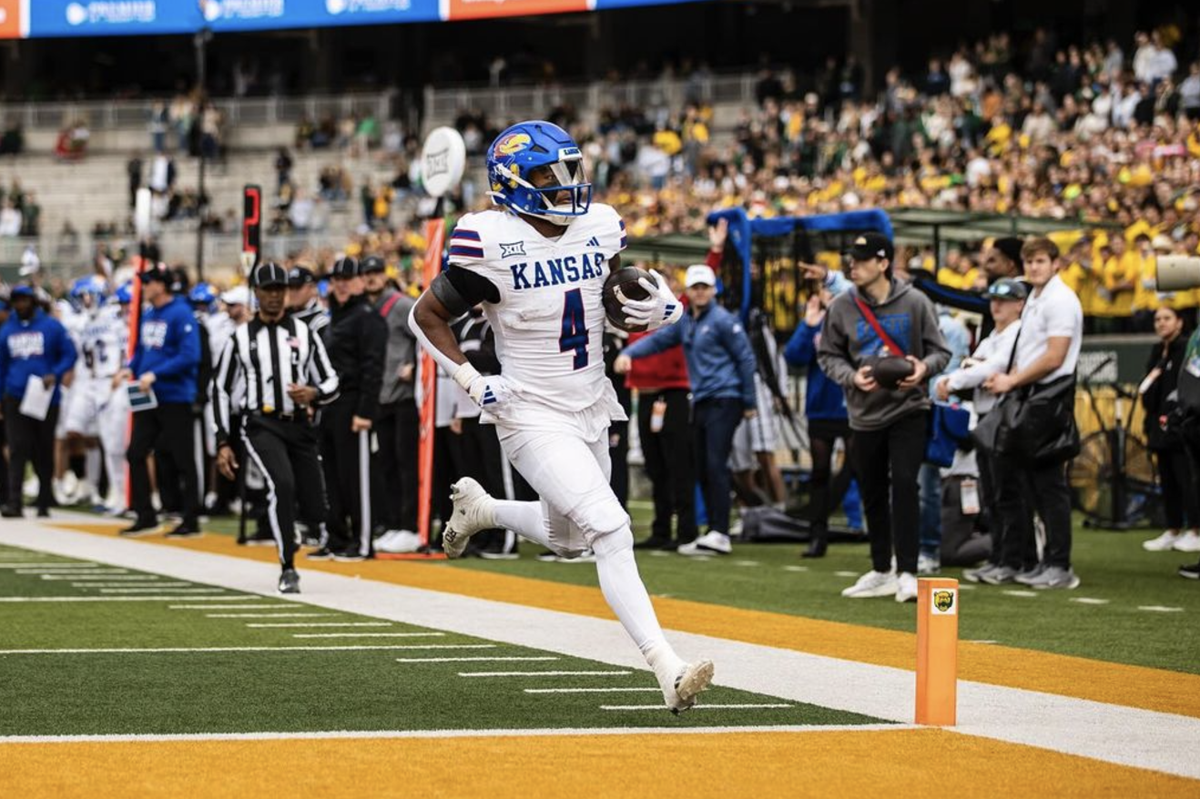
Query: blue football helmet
[202, 294]
[92, 286]
[525, 147]
[125, 293]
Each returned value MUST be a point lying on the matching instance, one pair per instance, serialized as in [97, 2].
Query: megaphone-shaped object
[1178, 272]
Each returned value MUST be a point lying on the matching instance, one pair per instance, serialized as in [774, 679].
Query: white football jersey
[550, 317]
[103, 341]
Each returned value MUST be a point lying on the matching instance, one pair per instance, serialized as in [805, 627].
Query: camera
[1178, 272]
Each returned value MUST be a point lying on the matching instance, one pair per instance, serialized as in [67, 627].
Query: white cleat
[680, 694]
[474, 510]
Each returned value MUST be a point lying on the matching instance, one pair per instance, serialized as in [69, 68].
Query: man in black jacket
[356, 339]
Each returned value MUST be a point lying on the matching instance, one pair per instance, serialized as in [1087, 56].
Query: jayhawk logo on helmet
[536, 168]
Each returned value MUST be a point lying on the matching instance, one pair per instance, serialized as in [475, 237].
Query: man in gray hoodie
[869, 332]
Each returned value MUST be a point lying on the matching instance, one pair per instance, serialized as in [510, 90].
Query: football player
[538, 264]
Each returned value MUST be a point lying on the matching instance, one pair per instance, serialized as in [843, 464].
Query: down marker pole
[937, 652]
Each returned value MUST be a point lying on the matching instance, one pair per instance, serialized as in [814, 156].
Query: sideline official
[279, 370]
[356, 338]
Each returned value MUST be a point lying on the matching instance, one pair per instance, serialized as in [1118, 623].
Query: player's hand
[660, 308]
[918, 373]
[717, 234]
[749, 413]
[489, 392]
[146, 381]
[301, 394]
[359, 424]
[227, 463]
[943, 389]
[622, 364]
[863, 380]
[814, 272]
[120, 377]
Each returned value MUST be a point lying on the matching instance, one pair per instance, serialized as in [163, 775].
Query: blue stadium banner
[241, 15]
[112, 17]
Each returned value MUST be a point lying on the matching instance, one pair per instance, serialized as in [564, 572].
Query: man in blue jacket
[721, 367]
[33, 345]
[166, 362]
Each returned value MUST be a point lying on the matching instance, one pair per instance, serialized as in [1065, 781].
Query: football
[889, 371]
[625, 281]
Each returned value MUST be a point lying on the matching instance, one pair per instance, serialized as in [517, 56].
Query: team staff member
[32, 344]
[879, 315]
[167, 362]
[279, 369]
[356, 338]
[721, 366]
[303, 302]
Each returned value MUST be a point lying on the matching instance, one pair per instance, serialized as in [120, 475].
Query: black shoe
[185, 530]
[654, 542]
[289, 582]
[1191, 572]
[324, 553]
[140, 527]
[349, 556]
[12, 512]
[816, 548]
[43, 513]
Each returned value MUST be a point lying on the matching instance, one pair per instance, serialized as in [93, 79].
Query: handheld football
[889, 371]
[624, 283]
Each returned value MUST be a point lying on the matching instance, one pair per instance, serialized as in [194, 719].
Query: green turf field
[1114, 568]
[350, 682]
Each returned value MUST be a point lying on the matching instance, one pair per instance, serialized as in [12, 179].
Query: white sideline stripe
[795, 568]
[846, 574]
[326, 624]
[162, 590]
[1160, 609]
[62, 564]
[174, 598]
[746, 563]
[499, 733]
[1021, 593]
[210, 649]
[367, 635]
[1087, 600]
[764, 706]
[545, 674]
[584, 690]
[120, 574]
[266, 615]
[126, 585]
[225, 607]
[1113, 733]
[471, 660]
[123, 578]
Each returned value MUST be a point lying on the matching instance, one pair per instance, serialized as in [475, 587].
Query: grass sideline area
[1120, 580]
[293, 678]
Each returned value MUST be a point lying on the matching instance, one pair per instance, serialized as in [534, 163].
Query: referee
[280, 371]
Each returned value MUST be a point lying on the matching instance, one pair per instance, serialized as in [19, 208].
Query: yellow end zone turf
[932, 762]
[1081, 678]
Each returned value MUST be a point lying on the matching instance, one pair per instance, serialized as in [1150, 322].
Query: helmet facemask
[567, 176]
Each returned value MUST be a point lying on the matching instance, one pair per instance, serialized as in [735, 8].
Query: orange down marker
[937, 652]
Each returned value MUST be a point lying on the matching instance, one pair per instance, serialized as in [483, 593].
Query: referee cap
[269, 275]
[301, 276]
[346, 266]
[373, 263]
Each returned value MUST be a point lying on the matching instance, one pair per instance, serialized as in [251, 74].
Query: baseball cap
[301, 276]
[238, 295]
[270, 274]
[1006, 288]
[22, 290]
[871, 245]
[178, 282]
[156, 273]
[345, 266]
[700, 274]
[372, 264]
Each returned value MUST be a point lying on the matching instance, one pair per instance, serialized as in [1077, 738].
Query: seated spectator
[10, 219]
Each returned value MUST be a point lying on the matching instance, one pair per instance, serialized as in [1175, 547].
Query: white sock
[523, 518]
[626, 594]
[116, 476]
[91, 466]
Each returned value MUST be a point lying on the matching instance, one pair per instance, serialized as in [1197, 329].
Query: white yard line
[368, 635]
[325, 624]
[473, 660]
[113, 574]
[1113, 733]
[498, 733]
[590, 690]
[1159, 609]
[62, 565]
[174, 598]
[164, 590]
[764, 706]
[212, 649]
[546, 674]
[266, 615]
[226, 607]
[156, 587]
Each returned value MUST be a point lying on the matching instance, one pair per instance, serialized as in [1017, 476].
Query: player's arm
[451, 294]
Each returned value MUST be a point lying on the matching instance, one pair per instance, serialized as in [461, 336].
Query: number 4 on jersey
[574, 328]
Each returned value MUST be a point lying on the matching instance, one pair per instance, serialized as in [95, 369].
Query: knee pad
[600, 514]
[613, 542]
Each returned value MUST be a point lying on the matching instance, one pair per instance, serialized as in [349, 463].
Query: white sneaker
[474, 510]
[1163, 543]
[906, 588]
[873, 584]
[927, 564]
[31, 487]
[398, 542]
[735, 528]
[707, 544]
[680, 693]
[1188, 542]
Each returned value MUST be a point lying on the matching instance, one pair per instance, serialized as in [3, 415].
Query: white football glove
[660, 308]
[490, 392]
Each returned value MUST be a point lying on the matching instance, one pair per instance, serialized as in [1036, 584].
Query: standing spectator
[890, 423]
[1189, 94]
[165, 362]
[33, 345]
[1047, 352]
[10, 219]
[283, 169]
[159, 120]
[133, 168]
[721, 367]
[1180, 501]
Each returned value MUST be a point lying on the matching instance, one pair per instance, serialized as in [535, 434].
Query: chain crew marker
[937, 652]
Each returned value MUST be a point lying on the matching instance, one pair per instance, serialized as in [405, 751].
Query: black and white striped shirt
[258, 364]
